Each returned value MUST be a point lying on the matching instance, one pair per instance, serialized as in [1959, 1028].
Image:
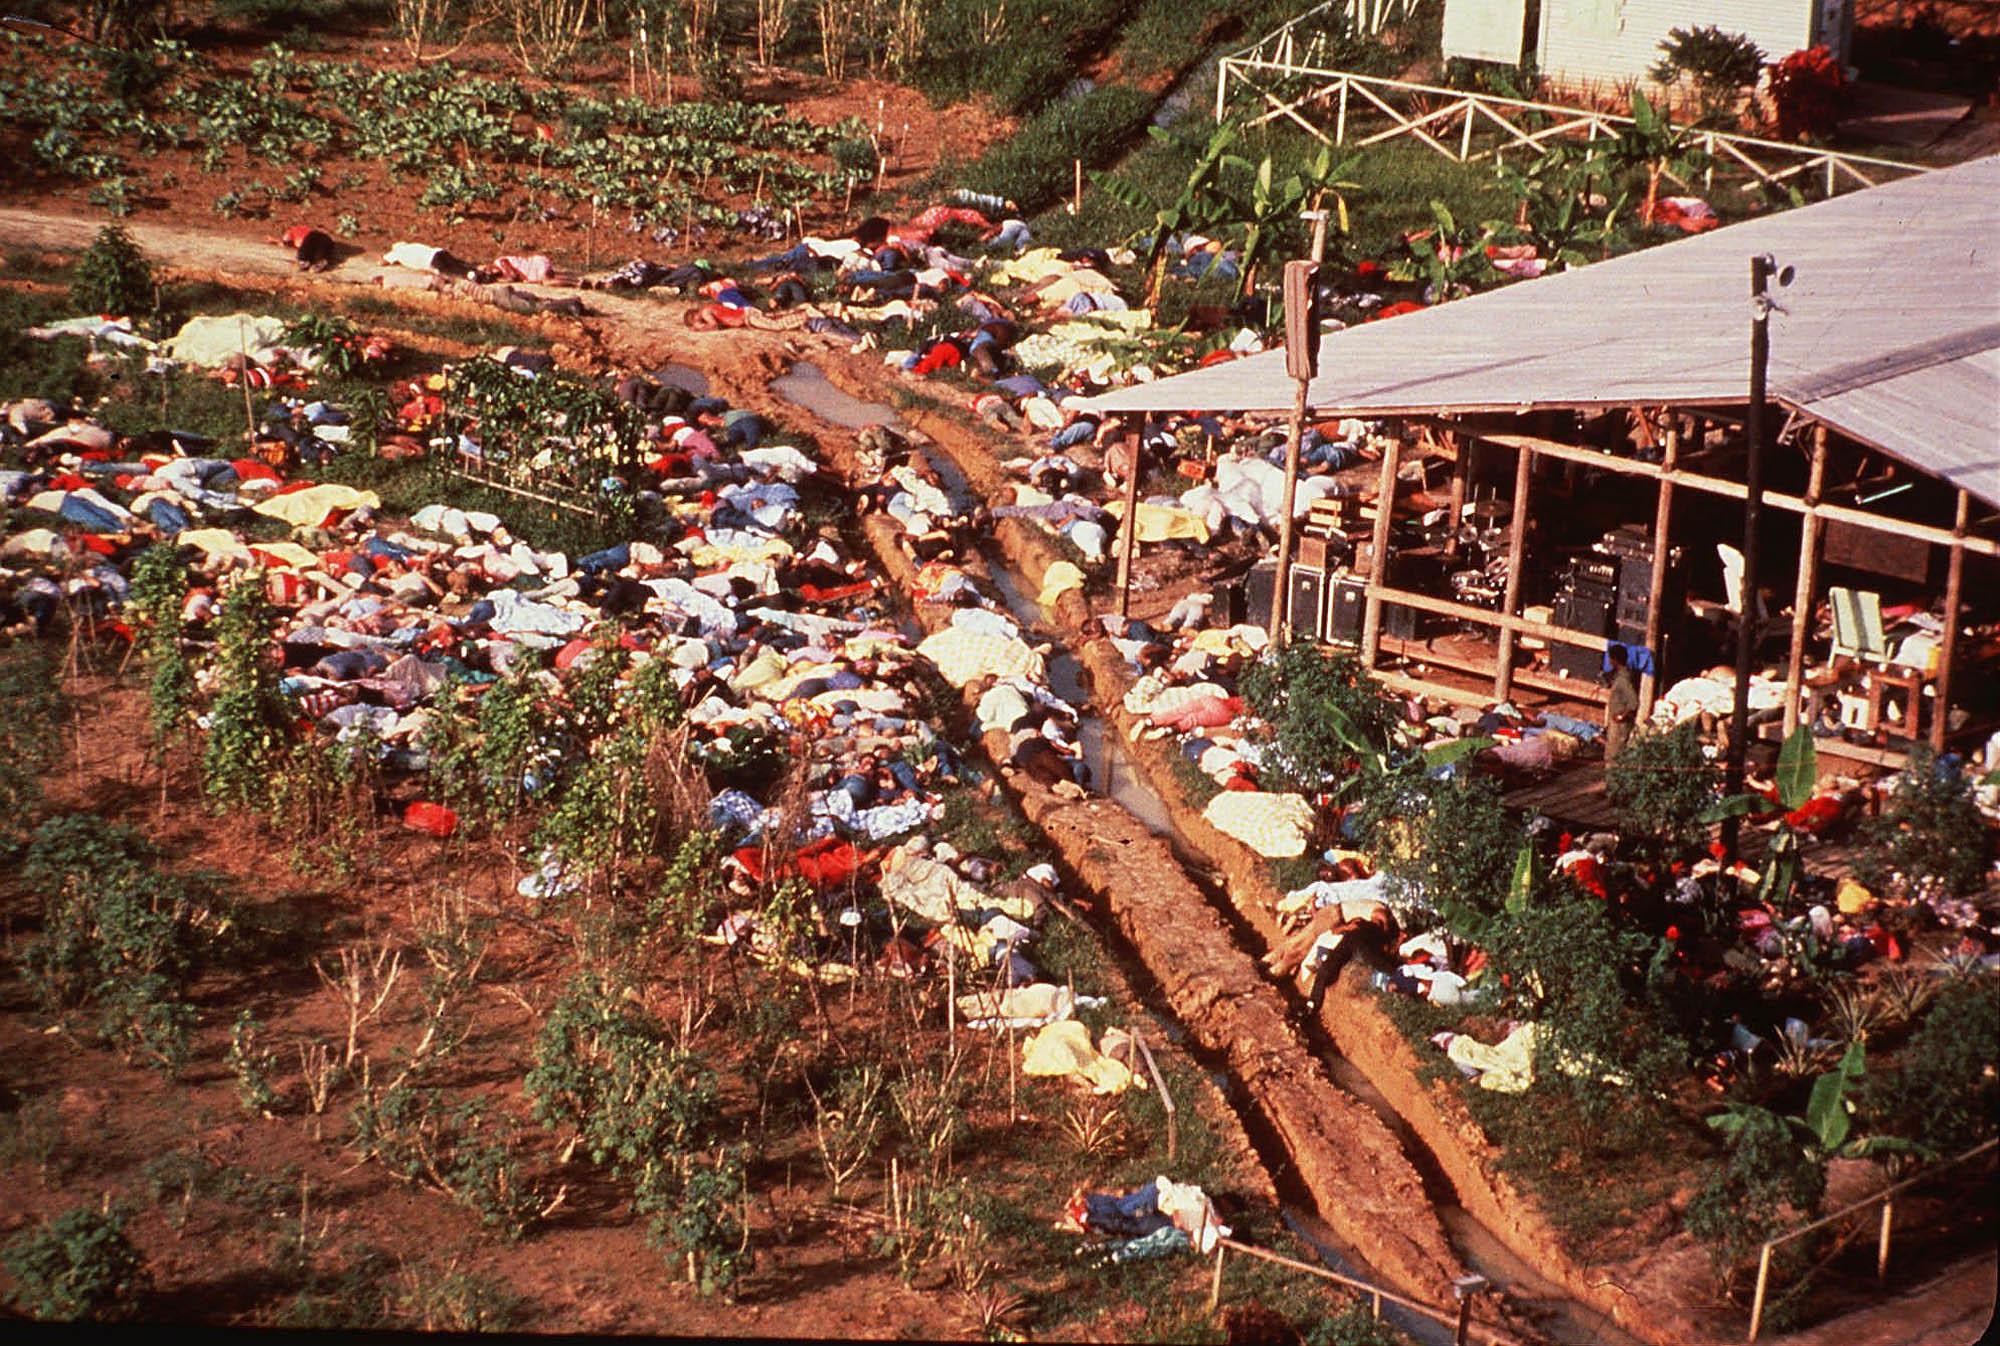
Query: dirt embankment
[1641, 1297]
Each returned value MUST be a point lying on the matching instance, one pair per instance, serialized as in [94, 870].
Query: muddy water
[805, 385]
[682, 376]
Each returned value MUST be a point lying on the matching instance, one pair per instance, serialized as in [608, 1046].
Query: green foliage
[1325, 714]
[159, 591]
[335, 339]
[610, 1077]
[1930, 835]
[31, 690]
[558, 434]
[1720, 64]
[1450, 844]
[456, 1149]
[78, 1265]
[1661, 788]
[247, 717]
[113, 276]
[511, 721]
[118, 935]
[1767, 1182]
[1354, 1325]
[699, 1215]
[1942, 1094]
[1572, 969]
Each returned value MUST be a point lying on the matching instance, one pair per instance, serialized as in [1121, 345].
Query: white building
[1582, 42]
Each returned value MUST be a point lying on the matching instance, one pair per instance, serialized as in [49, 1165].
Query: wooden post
[1131, 529]
[1076, 205]
[1954, 595]
[1882, 1241]
[1215, 1285]
[1281, 597]
[1802, 596]
[1464, 1321]
[1517, 546]
[1166, 1099]
[1378, 564]
[1461, 470]
[1656, 589]
[1757, 1299]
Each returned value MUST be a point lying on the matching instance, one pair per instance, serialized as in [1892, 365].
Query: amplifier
[1345, 607]
[1258, 586]
[1576, 662]
[1307, 609]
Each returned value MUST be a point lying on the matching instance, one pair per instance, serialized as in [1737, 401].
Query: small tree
[1323, 711]
[159, 593]
[1720, 64]
[113, 276]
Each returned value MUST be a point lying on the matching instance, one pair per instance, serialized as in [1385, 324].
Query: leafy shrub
[609, 1076]
[118, 935]
[1453, 846]
[1319, 706]
[1660, 786]
[1571, 968]
[1942, 1092]
[78, 1265]
[159, 590]
[1717, 62]
[455, 1149]
[246, 719]
[113, 275]
[1929, 831]
[1808, 94]
[1767, 1182]
[335, 339]
[698, 1215]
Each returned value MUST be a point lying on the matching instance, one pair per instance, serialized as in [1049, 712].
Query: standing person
[1621, 708]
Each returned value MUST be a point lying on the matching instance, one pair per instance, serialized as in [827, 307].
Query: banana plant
[1825, 1130]
[1659, 147]
[1796, 778]
[1450, 258]
[1196, 206]
[1555, 211]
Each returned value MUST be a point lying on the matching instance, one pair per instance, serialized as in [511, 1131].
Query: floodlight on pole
[1764, 269]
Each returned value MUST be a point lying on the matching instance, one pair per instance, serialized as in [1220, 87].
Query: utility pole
[1302, 360]
[1763, 268]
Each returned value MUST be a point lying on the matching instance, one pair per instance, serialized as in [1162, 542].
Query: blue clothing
[1133, 1216]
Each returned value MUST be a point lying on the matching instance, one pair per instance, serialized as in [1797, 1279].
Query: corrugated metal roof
[1890, 332]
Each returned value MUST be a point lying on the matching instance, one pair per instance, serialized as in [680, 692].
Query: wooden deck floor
[1573, 799]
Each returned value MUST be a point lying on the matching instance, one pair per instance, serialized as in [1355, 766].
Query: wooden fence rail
[1470, 127]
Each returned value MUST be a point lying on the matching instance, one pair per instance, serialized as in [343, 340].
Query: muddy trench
[1472, 1217]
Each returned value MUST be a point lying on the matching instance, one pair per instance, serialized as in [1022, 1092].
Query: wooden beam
[1378, 562]
[1499, 621]
[1461, 467]
[1803, 596]
[1954, 595]
[1656, 587]
[1517, 540]
[1735, 490]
